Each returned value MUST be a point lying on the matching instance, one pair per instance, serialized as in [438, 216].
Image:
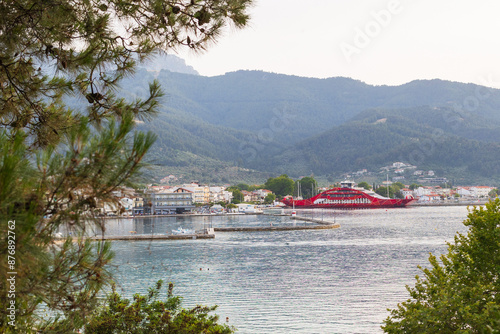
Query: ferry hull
[380, 204]
[346, 198]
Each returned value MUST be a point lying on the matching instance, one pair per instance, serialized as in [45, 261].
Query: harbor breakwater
[209, 233]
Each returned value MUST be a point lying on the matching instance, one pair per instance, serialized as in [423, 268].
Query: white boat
[181, 230]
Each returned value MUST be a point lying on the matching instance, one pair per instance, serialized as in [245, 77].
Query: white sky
[453, 40]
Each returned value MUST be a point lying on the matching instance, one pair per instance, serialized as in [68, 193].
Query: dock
[202, 234]
[275, 228]
[154, 237]
[321, 225]
[313, 220]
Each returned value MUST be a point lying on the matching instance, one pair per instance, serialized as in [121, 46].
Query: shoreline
[461, 203]
[449, 204]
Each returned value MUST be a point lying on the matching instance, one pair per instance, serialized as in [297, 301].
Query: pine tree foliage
[60, 163]
[147, 314]
[62, 190]
[57, 47]
[460, 291]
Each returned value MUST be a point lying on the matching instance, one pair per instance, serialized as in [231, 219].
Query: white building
[421, 191]
[398, 164]
[464, 191]
[432, 197]
[480, 191]
[246, 208]
[262, 193]
[219, 194]
[127, 203]
[407, 192]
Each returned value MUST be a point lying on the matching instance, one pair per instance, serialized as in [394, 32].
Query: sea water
[315, 281]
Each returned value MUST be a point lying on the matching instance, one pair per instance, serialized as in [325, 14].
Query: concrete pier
[314, 220]
[154, 237]
[202, 234]
[275, 228]
[209, 233]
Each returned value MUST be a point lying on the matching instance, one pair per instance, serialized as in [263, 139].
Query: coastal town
[406, 181]
[195, 197]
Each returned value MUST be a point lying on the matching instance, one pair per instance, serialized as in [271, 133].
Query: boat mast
[387, 185]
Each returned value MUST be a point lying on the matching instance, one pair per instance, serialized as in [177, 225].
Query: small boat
[181, 230]
[347, 197]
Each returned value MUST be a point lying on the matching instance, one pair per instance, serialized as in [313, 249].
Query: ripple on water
[324, 281]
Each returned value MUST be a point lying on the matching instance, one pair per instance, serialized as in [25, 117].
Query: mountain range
[267, 123]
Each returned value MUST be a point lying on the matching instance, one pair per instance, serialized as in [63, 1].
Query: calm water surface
[325, 281]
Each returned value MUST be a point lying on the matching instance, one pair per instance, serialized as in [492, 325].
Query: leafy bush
[147, 314]
[460, 294]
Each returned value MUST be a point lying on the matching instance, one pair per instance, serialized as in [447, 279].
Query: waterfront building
[475, 191]
[246, 208]
[179, 200]
[127, 204]
[481, 191]
[432, 197]
[138, 201]
[201, 193]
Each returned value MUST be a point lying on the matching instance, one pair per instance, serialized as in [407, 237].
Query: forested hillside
[278, 123]
[379, 137]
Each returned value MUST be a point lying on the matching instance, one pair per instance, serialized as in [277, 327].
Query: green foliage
[307, 187]
[147, 314]
[59, 190]
[364, 185]
[460, 292]
[243, 186]
[398, 185]
[247, 100]
[220, 117]
[376, 138]
[393, 192]
[111, 34]
[281, 185]
[414, 186]
[269, 199]
[238, 196]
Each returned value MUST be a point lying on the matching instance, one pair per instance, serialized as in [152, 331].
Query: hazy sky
[379, 42]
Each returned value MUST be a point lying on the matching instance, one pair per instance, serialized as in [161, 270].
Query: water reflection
[323, 281]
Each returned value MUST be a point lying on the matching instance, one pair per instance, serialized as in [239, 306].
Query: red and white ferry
[347, 197]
